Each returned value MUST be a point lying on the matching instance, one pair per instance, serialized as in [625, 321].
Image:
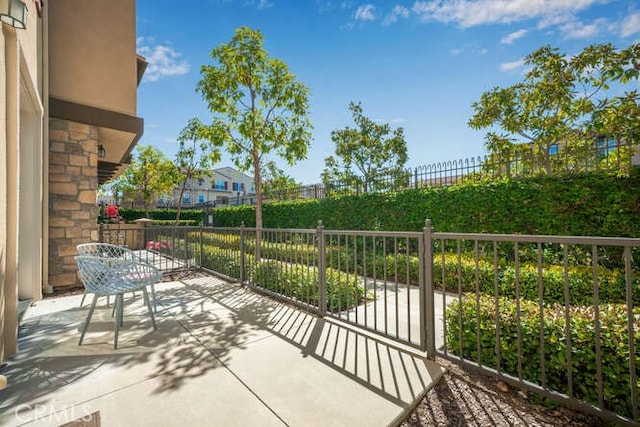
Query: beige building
[68, 86]
[226, 186]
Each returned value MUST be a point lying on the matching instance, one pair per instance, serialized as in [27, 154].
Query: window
[200, 198]
[253, 188]
[242, 186]
[186, 198]
[553, 150]
[221, 185]
[236, 186]
[200, 182]
[605, 146]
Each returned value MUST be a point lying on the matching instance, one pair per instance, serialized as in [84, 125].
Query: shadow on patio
[222, 354]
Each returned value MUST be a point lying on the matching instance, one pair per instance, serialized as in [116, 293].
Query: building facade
[225, 187]
[68, 117]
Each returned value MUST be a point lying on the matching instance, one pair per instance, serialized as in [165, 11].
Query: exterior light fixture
[101, 152]
[14, 13]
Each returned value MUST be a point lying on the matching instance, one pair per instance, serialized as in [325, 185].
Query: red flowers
[112, 211]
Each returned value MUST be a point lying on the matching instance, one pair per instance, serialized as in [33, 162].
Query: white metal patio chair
[108, 250]
[104, 276]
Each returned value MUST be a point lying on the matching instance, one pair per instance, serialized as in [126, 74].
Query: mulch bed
[462, 398]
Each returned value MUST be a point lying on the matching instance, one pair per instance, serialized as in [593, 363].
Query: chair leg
[86, 322]
[84, 295]
[118, 318]
[153, 297]
[146, 298]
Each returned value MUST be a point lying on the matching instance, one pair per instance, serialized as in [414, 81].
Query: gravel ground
[462, 398]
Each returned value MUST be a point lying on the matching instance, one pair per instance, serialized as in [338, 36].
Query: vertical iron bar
[630, 326]
[567, 320]
[322, 270]
[460, 308]
[477, 296]
[425, 294]
[384, 269]
[596, 320]
[395, 274]
[518, 308]
[443, 267]
[497, 297]
[408, 282]
[200, 247]
[543, 356]
[242, 254]
[374, 255]
[364, 276]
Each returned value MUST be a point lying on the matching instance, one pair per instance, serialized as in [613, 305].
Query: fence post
[187, 256]
[415, 177]
[322, 270]
[200, 255]
[428, 331]
[101, 232]
[242, 253]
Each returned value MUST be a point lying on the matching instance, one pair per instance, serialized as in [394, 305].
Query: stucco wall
[92, 53]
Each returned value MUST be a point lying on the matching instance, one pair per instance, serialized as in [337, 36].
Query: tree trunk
[258, 183]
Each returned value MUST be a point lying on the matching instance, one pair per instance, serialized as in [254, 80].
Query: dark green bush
[222, 261]
[301, 282]
[611, 289]
[590, 204]
[163, 216]
[614, 345]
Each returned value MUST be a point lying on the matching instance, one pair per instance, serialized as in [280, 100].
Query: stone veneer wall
[73, 182]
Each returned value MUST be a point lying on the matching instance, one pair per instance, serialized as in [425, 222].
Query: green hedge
[612, 286]
[301, 282]
[590, 204]
[222, 261]
[614, 345]
[160, 216]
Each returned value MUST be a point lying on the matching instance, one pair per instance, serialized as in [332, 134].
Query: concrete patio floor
[222, 355]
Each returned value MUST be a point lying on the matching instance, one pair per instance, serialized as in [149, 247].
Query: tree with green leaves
[371, 156]
[195, 157]
[563, 104]
[277, 185]
[150, 174]
[259, 108]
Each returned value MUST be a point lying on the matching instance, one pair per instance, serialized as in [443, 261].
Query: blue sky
[413, 64]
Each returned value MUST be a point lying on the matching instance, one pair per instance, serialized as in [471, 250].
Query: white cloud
[396, 13]
[163, 60]
[469, 49]
[630, 25]
[398, 120]
[578, 30]
[511, 37]
[469, 13]
[263, 4]
[365, 12]
[512, 66]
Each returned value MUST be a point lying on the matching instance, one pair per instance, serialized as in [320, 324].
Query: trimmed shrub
[470, 319]
[301, 282]
[589, 204]
[222, 261]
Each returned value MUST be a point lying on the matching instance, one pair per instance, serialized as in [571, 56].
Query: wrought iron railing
[558, 315]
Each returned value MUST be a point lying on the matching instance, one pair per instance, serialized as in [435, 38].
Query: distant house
[225, 187]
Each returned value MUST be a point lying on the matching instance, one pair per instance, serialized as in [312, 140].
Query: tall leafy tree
[372, 154]
[564, 102]
[277, 185]
[150, 174]
[195, 157]
[258, 106]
